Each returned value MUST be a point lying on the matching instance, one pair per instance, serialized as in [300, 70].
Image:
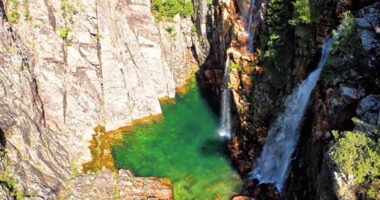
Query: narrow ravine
[272, 165]
[184, 147]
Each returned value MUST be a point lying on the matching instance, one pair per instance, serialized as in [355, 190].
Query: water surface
[185, 148]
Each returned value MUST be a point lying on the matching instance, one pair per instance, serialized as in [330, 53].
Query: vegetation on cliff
[347, 52]
[358, 156]
[170, 8]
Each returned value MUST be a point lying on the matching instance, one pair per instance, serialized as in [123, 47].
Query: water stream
[250, 22]
[273, 163]
[225, 122]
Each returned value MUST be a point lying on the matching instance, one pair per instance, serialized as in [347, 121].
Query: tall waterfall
[250, 22]
[225, 122]
[273, 163]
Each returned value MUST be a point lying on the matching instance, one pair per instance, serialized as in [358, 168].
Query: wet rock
[369, 109]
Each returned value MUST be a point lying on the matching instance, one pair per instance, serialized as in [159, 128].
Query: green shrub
[237, 66]
[64, 32]
[169, 29]
[13, 16]
[278, 16]
[170, 8]
[301, 14]
[348, 43]
[347, 51]
[359, 156]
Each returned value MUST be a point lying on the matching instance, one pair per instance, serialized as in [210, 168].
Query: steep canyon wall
[67, 67]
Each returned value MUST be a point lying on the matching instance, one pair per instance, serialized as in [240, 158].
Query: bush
[347, 51]
[64, 32]
[358, 156]
[170, 8]
[237, 66]
[278, 16]
[301, 14]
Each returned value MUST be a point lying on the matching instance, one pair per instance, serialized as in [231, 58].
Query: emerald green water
[185, 148]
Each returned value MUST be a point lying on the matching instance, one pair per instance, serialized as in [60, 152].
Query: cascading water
[250, 22]
[225, 122]
[273, 163]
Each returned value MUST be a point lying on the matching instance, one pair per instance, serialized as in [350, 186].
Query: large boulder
[368, 109]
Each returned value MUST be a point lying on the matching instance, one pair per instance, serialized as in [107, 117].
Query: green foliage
[13, 16]
[301, 14]
[64, 32]
[169, 29]
[349, 43]
[64, 8]
[358, 156]
[26, 13]
[68, 10]
[170, 8]
[347, 52]
[273, 42]
[194, 28]
[278, 16]
[237, 66]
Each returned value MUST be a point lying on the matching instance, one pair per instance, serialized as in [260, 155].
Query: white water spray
[225, 122]
[250, 22]
[273, 163]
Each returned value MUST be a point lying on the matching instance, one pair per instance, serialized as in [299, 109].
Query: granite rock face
[69, 66]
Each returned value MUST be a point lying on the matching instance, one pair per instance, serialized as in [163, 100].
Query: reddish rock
[259, 69]
[242, 198]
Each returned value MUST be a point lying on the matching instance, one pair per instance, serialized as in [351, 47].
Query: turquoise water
[185, 148]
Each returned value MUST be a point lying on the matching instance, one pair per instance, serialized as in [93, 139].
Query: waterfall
[250, 22]
[225, 122]
[273, 163]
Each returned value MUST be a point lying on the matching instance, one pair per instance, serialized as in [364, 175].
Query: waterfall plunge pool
[183, 147]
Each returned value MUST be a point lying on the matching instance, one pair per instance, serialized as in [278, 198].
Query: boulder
[349, 93]
[368, 109]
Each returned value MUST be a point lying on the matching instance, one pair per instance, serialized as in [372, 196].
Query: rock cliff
[286, 51]
[69, 66]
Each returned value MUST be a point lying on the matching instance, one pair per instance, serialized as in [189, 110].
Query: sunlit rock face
[69, 66]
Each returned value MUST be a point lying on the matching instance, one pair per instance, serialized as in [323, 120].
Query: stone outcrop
[69, 66]
[124, 185]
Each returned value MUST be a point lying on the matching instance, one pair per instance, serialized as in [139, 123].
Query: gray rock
[368, 109]
[111, 69]
[368, 39]
[363, 23]
[349, 93]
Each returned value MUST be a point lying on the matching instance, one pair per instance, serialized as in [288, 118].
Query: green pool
[183, 147]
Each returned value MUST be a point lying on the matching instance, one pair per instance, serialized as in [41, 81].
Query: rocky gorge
[75, 73]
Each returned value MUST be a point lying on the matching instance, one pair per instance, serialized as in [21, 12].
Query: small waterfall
[273, 163]
[225, 122]
[250, 22]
